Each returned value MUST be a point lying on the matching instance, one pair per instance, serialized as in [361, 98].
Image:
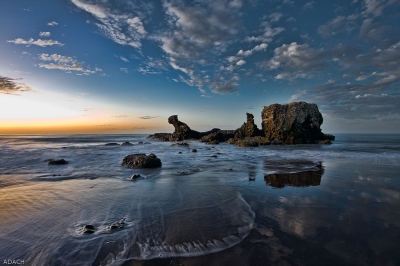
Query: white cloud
[275, 17]
[65, 63]
[123, 69]
[308, 6]
[123, 58]
[38, 42]
[240, 63]
[44, 34]
[53, 23]
[125, 28]
[375, 7]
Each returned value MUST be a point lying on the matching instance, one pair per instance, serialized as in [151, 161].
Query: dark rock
[118, 225]
[246, 142]
[180, 152]
[193, 150]
[181, 144]
[147, 143]
[212, 142]
[88, 229]
[160, 136]
[182, 131]
[294, 123]
[326, 141]
[277, 142]
[127, 143]
[57, 162]
[214, 156]
[111, 144]
[135, 176]
[329, 137]
[218, 136]
[249, 141]
[140, 142]
[248, 129]
[141, 161]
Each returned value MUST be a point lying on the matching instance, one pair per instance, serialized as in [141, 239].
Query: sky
[108, 66]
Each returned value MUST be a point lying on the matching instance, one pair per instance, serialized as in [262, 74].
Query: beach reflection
[307, 178]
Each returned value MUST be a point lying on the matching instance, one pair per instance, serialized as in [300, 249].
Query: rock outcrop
[218, 136]
[182, 131]
[248, 129]
[141, 160]
[294, 123]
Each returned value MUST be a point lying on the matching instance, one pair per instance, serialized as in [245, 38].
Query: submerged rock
[127, 143]
[111, 144]
[57, 162]
[141, 161]
[294, 123]
[193, 150]
[326, 141]
[135, 176]
[88, 229]
[181, 144]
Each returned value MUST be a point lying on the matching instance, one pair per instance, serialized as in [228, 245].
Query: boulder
[141, 161]
[57, 162]
[294, 123]
[248, 129]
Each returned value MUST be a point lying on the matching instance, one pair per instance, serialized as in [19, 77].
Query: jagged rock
[182, 131]
[141, 161]
[326, 141]
[248, 129]
[219, 136]
[57, 162]
[294, 123]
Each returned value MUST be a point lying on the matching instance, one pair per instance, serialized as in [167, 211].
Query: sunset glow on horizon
[94, 66]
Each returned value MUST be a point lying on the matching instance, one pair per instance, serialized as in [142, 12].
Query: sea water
[277, 204]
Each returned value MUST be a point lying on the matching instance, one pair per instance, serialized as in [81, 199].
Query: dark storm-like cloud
[12, 86]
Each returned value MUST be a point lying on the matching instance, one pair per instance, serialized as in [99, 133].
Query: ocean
[314, 204]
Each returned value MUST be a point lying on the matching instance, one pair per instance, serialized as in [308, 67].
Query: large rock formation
[182, 131]
[294, 123]
[248, 129]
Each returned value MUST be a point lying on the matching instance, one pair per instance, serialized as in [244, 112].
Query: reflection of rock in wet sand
[301, 179]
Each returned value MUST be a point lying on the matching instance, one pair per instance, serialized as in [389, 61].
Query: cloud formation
[13, 86]
[65, 63]
[38, 42]
[124, 28]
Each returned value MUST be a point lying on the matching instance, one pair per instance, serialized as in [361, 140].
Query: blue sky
[125, 66]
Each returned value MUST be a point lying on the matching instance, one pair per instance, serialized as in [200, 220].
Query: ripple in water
[178, 221]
